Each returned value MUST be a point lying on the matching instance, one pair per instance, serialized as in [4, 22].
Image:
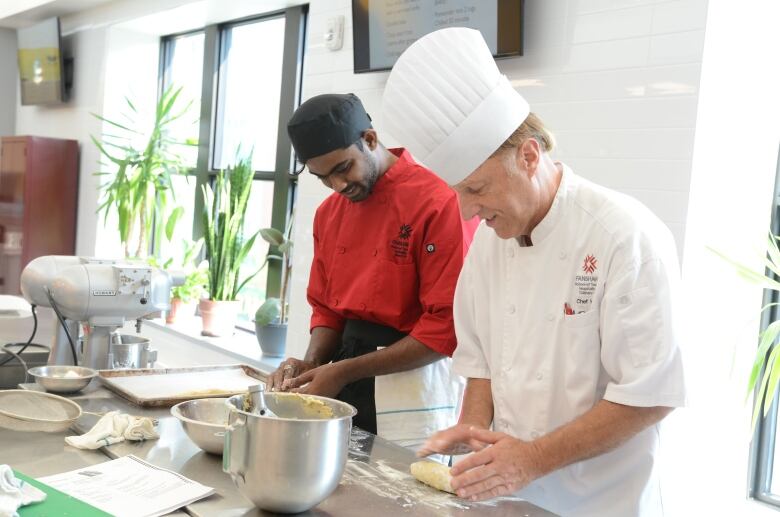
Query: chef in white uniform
[565, 308]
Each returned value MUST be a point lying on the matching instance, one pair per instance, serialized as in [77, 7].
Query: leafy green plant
[275, 309]
[197, 278]
[223, 222]
[194, 285]
[767, 355]
[141, 185]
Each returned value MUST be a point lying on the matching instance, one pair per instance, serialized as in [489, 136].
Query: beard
[371, 177]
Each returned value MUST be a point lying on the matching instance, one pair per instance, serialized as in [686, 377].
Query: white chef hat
[447, 102]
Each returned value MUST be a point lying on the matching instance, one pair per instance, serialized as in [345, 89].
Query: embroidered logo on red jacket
[589, 266]
[406, 232]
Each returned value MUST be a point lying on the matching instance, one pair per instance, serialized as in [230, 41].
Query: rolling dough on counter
[433, 474]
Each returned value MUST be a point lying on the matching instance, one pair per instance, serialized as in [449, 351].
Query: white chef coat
[608, 260]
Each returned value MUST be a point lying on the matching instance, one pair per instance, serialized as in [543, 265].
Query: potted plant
[184, 297]
[140, 187]
[223, 223]
[271, 317]
[765, 373]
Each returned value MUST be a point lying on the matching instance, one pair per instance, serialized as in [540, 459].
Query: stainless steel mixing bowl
[204, 421]
[292, 462]
[63, 378]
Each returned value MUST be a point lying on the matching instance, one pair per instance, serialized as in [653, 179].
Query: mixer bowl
[204, 421]
[291, 462]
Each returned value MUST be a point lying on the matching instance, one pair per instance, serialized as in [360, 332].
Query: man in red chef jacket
[388, 248]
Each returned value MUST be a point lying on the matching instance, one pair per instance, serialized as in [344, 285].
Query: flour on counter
[385, 481]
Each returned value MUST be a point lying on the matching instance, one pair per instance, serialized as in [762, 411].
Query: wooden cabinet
[38, 195]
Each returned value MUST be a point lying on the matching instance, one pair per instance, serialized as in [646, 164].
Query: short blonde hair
[532, 127]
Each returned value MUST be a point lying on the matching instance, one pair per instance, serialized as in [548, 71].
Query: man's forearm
[405, 354]
[605, 427]
[323, 345]
[477, 404]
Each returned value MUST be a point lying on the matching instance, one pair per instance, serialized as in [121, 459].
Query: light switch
[334, 33]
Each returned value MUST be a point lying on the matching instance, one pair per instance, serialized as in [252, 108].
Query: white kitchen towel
[114, 427]
[15, 493]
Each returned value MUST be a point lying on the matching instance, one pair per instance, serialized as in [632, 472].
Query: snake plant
[223, 223]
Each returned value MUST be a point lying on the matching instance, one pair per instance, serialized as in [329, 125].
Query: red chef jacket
[393, 258]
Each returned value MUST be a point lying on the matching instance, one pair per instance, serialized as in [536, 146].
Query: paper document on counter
[129, 486]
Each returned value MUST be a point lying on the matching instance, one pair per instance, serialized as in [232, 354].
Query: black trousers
[359, 338]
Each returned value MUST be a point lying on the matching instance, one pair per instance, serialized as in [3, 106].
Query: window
[764, 455]
[182, 67]
[251, 79]
[257, 64]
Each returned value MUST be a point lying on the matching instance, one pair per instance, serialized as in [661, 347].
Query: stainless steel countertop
[376, 479]
[43, 454]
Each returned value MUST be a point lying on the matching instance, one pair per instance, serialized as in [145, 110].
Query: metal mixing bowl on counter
[290, 462]
[204, 421]
[62, 378]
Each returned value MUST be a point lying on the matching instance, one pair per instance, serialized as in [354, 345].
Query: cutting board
[169, 386]
[57, 504]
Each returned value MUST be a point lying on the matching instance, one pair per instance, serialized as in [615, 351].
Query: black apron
[359, 338]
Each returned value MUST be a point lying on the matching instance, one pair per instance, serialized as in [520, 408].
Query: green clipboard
[56, 504]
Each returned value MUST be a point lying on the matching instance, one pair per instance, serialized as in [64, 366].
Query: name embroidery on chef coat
[586, 287]
[400, 244]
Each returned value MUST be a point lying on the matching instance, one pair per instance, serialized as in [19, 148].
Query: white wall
[9, 78]
[616, 80]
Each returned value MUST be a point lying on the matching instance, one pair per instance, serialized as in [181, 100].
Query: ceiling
[16, 14]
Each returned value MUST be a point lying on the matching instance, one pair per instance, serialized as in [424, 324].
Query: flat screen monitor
[40, 63]
[383, 29]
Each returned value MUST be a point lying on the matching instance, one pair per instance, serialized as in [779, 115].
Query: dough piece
[434, 474]
[315, 407]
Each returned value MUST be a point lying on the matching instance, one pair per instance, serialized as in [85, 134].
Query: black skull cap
[325, 123]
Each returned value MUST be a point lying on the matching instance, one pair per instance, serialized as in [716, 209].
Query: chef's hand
[326, 380]
[289, 369]
[457, 439]
[505, 466]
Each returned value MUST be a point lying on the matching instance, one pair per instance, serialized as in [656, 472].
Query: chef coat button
[550, 317]
[534, 435]
[341, 249]
[562, 255]
[511, 252]
[539, 376]
[336, 302]
[363, 306]
[511, 309]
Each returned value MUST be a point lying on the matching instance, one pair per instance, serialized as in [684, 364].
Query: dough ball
[433, 474]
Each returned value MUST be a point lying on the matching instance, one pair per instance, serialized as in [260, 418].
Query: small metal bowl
[204, 421]
[63, 378]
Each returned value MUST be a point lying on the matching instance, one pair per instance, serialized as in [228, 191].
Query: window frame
[762, 447]
[283, 177]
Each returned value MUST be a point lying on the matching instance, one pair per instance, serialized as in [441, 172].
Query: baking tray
[164, 387]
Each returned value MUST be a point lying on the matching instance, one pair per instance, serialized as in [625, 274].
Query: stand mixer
[102, 294]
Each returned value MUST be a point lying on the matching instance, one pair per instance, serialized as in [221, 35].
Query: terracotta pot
[179, 309]
[219, 317]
